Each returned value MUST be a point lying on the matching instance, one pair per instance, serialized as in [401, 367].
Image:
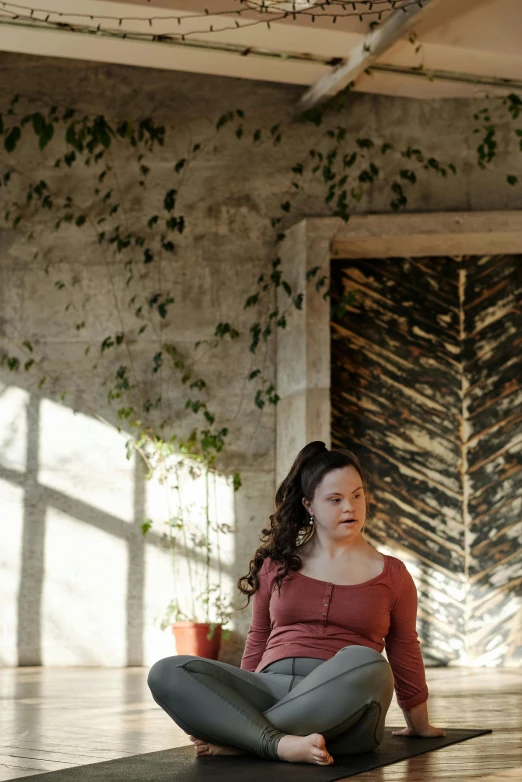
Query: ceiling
[462, 48]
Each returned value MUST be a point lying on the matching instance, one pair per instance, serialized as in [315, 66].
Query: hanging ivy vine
[346, 164]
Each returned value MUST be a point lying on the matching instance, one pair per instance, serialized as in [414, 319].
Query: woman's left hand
[425, 733]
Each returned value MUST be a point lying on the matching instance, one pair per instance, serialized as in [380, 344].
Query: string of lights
[262, 6]
[267, 6]
[332, 9]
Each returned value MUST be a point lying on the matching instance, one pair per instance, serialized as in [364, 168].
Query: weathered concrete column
[303, 347]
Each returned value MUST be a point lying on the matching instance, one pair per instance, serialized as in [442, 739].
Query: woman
[313, 683]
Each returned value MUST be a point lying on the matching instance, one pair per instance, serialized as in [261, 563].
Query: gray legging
[344, 698]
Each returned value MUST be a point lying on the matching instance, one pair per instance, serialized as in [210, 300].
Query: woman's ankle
[269, 741]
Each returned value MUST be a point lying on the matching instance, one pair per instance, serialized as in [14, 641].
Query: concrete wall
[79, 583]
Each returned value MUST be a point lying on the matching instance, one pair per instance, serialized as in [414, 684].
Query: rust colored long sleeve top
[313, 618]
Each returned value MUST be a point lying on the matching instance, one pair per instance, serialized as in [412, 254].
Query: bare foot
[304, 749]
[206, 748]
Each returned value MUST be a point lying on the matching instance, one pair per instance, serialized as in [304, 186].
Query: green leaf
[125, 129]
[38, 123]
[12, 138]
[170, 200]
[158, 360]
[46, 135]
[314, 115]
[107, 343]
[105, 138]
[224, 119]
[162, 307]
[408, 175]
[225, 328]
[511, 179]
[13, 364]
[298, 301]
[175, 223]
[251, 301]
[349, 160]
[70, 135]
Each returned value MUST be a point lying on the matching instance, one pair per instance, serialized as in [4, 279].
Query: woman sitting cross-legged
[312, 683]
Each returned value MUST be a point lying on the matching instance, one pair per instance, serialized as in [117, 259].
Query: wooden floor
[54, 718]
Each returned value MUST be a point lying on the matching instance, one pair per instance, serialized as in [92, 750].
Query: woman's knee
[163, 673]
[383, 681]
[386, 679]
[374, 664]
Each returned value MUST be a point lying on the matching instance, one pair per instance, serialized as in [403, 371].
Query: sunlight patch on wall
[182, 500]
[159, 589]
[11, 525]
[13, 431]
[84, 595]
[84, 459]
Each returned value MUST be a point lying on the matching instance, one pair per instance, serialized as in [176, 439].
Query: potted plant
[185, 475]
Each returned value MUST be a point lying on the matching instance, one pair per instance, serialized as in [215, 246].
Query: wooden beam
[365, 53]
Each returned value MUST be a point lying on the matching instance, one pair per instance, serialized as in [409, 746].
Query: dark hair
[290, 519]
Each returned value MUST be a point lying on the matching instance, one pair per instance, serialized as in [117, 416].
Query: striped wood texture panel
[427, 389]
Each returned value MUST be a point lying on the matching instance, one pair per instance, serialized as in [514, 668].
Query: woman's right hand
[426, 733]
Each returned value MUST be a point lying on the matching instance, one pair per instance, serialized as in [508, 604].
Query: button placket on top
[326, 604]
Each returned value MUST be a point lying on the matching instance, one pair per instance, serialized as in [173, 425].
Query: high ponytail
[310, 451]
[289, 528]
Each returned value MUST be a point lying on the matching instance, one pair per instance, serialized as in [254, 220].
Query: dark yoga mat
[182, 764]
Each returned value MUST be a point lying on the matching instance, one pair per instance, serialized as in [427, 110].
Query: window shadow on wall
[38, 500]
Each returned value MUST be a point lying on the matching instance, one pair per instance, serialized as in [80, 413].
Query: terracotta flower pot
[191, 638]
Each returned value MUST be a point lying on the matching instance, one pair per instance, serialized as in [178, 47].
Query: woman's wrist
[417, 717]
[418, 723]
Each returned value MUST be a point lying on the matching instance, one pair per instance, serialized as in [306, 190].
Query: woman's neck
[333, 550]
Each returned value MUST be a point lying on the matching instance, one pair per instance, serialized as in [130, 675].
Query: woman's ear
[305, 503]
